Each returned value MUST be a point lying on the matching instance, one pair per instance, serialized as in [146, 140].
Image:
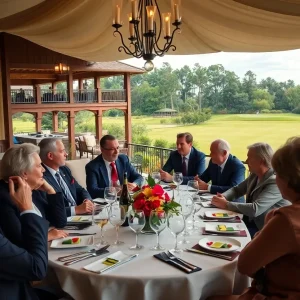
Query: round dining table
[145, 277]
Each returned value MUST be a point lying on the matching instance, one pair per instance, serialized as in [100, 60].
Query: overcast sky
[281, 66]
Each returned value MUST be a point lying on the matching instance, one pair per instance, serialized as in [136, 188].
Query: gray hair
[264, 151]
[18, 160]
[47, 145]
[222, 145]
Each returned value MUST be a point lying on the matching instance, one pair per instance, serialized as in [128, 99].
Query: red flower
[139, 196]
[145, 186]
[157, 190]
[139, 204]
[167, 197]
[147, 208]
[155, 204]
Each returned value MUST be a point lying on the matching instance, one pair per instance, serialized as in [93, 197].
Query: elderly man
[53, 155]
[262, 193]
[108, 168]
[186, 160]
[224, 170]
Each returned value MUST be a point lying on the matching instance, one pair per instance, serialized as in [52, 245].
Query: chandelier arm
[160, 23]
[124, 47]
[168, 44]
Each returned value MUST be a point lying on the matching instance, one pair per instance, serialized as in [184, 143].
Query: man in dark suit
[19, 266]
[186, 159]
[108, 169]
[224, 170]
[53, 155]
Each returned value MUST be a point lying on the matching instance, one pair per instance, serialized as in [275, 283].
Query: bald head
[219, 151]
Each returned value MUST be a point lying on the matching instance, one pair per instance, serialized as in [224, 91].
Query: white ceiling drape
[82, 28]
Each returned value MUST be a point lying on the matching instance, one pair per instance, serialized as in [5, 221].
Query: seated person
[186, 160]
[108, 168]
[19, 266]
[272, 258]
[224, 170]
[262, 193]
[53, 155]
[24, 161]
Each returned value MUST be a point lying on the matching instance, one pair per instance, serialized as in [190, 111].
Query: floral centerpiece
[153, 197]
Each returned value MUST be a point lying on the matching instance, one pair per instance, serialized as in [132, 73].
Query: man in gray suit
[262, 193]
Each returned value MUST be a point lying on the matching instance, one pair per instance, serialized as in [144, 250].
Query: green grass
[239, 130]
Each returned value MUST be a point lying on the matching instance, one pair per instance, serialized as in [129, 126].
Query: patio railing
[85, 96]
[22, 96]
[54, 96]
[113, 95]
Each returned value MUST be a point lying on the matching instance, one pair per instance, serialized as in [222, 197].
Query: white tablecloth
[145, 277]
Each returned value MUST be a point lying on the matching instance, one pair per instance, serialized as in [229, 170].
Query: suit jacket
[196, 164]
[260, 198]
[97, 178]
[233, 174]
[18, 266]
[51, 207]
[77, 191]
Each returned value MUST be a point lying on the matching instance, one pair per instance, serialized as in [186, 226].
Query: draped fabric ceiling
[82, 28]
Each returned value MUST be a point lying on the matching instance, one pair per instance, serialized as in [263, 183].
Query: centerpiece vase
[147, 228]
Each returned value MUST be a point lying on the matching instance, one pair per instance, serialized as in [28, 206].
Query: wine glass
[156, 177]
[117, 186]
[178, 179]
[158, 222]
[101, 220]
[192, 187]
[136, 221]
[187, 207]
[197, 208]
[110, 194]
[117, 217]
[176, 226]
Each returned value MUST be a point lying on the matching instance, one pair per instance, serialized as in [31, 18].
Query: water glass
[117, 217]
[117, 186]
[176, 226]
[136, 221]
[187, 207]
[156, 177]
[110, 194]
[158, 222]
[197, 207]
[101, 220]
[178, 179]
[192, 187]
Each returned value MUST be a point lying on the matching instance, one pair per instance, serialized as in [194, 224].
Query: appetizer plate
[235, 244]
[85, 241]
[221, 214]
[219, 228]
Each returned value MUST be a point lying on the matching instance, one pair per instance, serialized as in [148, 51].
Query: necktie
[114, 173]
[184, 173]
[65, 189]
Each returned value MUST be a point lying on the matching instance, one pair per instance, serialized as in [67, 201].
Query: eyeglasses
[111, 149]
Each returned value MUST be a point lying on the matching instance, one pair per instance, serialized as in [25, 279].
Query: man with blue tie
[224, 170]
[108, 168]
[53, 155]
[186, 160]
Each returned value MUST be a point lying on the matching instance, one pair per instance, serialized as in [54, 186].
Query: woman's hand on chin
[46, 187]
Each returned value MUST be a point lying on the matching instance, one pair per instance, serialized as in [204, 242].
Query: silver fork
[165, 257]
[173, 257]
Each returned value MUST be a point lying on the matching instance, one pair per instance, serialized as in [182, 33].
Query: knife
[120, 263]
[77, 259]
[80, 234]
[209, 254]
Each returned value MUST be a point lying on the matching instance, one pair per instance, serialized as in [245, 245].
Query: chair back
[77, 167]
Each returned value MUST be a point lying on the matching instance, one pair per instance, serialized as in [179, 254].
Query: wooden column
[71, 134]
[38, 96]
[97, 86]
[55, 121]
[70, 87]
[80, 84]
[98, 123]
[127, 114]
[6, 96]
[38, 121]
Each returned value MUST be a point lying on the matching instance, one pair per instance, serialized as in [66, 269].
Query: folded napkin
[207, 204]
[237, 219]
[174, 263]
[227, 256]
[108, 262]
[241, 233]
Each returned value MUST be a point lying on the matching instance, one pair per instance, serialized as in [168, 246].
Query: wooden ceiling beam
[21, 75]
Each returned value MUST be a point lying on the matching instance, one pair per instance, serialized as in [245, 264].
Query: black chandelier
[145, 29]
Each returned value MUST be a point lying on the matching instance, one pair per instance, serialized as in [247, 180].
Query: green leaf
[150, 181]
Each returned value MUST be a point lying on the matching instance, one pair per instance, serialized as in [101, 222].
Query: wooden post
[98, 123]
[6, 96]
[55, 121]
[70, 87]
[80, 84]
[38, 121]
[127, 114]
[71, 134]
[38, 96]
[97, 86]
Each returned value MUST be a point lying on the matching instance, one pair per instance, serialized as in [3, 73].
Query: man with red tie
[108, 169]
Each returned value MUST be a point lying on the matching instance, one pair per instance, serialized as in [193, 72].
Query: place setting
[222, 229]
[220, 216]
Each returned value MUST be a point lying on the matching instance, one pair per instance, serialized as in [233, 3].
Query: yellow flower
[147, 192]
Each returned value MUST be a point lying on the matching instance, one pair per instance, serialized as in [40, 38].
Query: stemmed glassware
[187, 207]
[117, 216]
[192, 187]
[136, 221]
[156, 177]
[101, 220]
[117, 186]
[197, 208]
[158, 222]
[176, 226]
[178, 179]
[110, 194]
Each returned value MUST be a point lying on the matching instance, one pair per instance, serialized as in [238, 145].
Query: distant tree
[185, 77]
[262, 99]
[199, 79]
[249, 84]
[293, 97]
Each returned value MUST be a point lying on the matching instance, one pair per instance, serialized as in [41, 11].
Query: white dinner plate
[86, 240]
[210, 214]
[235, 243]
[214, 228]
[79, 219]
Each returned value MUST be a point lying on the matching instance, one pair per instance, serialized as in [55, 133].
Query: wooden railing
[85, 96]
[54, 96]
[113, 95]
[22, 96]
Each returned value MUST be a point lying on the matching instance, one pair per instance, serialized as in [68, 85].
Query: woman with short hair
[272, 258]
[24, 161]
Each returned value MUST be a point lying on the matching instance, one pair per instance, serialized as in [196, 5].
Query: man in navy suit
[108, 169]
[224, 170]
[19, 266]
[53, 155]
[186, 159]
